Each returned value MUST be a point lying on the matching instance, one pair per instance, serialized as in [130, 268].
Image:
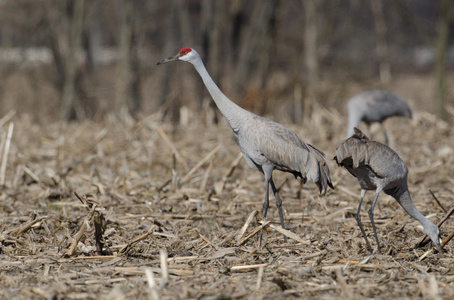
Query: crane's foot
[379, 249]
[285, 239]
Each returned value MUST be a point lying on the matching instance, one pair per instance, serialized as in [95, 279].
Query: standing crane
[265, 145]
[375, 106]
[377, 167]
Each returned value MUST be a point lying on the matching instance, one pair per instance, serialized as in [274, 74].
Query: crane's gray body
[375, 106]
[265, 145]
[377, 167]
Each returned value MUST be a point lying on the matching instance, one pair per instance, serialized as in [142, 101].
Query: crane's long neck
[231, 111]
[404, 199]
[402, 195]
[353, 121]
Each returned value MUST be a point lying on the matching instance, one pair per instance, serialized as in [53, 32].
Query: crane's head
[433, 232]
[185, 54]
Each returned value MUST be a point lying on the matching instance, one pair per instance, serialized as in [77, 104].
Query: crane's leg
[384, 133]
[371, 217]
[358, 220]
[279, 206]
[265, 206]
[369, 131]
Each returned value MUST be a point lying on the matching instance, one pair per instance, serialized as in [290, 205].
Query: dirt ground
[173, 203]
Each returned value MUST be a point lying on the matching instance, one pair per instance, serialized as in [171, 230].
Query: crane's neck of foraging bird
[430, 228]
[404, 199]
[231, 111]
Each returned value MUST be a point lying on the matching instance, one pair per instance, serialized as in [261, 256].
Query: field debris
[146, 211]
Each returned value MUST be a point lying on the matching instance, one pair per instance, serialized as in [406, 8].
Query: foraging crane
[377, 167]
[265, 145]
[375, 106]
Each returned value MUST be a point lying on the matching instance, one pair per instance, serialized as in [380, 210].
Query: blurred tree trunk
[57, 56]
[76, 17]
[169, 47]
[127, 82]
[381, 44]
[311, 59]
[91, 35]
[123, 73]
[179, 24]
[298, 102]
[254, 58]
[446, 10]
[236, 14]
[185, 22]
[167, 94]
[91, 43]
[214, 20]
[136, 81]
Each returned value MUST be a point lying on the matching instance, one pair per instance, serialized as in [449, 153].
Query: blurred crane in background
[375, 106]
[377, 167]
[265, 145]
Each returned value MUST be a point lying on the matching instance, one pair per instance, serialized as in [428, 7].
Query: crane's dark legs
[279, 206]
[371, 217]
[265, 206]
[358, 220]
[384, 133]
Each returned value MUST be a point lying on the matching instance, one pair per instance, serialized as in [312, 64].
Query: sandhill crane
[265, 145]
[375, 106]
[377, 167]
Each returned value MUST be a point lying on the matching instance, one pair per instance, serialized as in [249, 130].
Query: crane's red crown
[185, 51]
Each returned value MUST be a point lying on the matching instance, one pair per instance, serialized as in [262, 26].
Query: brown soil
[156, 203]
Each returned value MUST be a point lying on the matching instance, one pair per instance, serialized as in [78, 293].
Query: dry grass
[173, 211]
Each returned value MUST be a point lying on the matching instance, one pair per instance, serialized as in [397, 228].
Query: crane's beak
[169, 59]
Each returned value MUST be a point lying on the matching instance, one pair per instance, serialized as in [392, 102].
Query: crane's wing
[358, 151]
[287, 152]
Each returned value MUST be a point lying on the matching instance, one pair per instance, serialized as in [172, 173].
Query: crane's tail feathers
[324, 179]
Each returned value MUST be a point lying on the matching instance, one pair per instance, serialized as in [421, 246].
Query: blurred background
[86, 59]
